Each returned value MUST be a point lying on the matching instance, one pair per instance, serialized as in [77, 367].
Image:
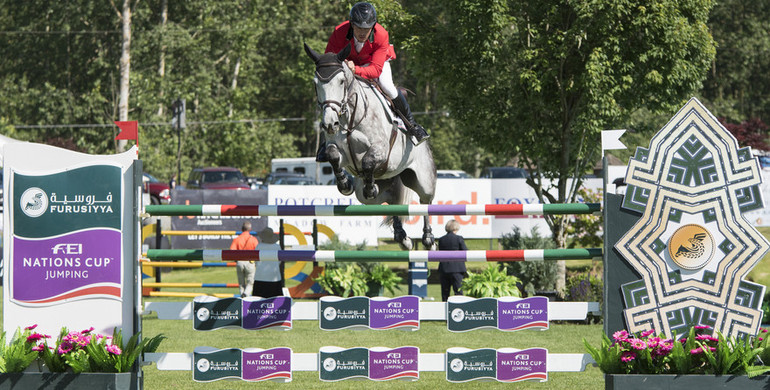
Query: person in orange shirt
[245, 269]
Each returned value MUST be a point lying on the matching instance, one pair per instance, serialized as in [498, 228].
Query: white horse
[363, 138]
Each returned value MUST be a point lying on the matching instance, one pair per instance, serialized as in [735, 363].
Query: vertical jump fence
[152, 289]
[428, 311]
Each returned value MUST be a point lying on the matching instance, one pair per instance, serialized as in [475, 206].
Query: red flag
[128, 130]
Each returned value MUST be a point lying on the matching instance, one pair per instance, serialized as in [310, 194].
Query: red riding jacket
[377, 49]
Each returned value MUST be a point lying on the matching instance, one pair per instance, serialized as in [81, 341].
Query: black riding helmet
[363, 15]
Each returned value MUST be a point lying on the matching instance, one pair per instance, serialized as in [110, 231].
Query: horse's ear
[311, 53]
[344, 53]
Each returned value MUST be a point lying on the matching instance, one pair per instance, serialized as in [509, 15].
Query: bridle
[340, 107]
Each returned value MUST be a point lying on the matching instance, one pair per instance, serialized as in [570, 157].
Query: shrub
[534, 275]
[492, 282]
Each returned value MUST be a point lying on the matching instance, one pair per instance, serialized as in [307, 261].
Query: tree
[738, 83]
[751, 133]
[539, 80]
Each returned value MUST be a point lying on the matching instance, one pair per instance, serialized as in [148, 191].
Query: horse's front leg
[344, 185]
[427, 233]
[369, 164]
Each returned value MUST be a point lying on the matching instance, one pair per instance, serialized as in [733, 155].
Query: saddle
[399, 122]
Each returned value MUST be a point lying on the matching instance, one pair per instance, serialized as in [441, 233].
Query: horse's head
[332, 80]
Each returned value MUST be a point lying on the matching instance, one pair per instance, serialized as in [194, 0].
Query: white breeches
[386, 81]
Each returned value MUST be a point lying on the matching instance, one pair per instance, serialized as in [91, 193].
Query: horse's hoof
[406, 244]
[344, 187]
[428, 241]
[371, 193]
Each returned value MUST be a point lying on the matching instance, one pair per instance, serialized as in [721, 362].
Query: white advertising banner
[354, 230]
[449, 191]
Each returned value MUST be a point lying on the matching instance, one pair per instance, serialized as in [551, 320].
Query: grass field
[306, 337]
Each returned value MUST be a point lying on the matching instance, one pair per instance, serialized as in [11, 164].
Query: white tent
[4, 140]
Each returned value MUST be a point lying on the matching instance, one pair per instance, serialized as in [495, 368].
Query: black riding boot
[320, 155]
[417, 131]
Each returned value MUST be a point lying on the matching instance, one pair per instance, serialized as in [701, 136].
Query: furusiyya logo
[203, 365]
[458, 315]
[34, 202]
[456, 365]
[203, 314]
[691, 247]
[330, 313]
[330, 364]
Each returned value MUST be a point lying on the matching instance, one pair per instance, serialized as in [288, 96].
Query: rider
[370, 59]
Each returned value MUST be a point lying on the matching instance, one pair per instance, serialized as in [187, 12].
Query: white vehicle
[452, 174]
[321, 173]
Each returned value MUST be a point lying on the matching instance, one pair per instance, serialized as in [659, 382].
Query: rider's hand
[351, 65]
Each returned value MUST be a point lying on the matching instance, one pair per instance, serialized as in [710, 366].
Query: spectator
[268, 279]
[245, 269]
[451, 273]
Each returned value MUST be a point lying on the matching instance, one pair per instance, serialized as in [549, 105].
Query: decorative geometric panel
[692, 246]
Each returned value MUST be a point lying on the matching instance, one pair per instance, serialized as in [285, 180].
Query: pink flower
[620, 335]
[35, 337]
[31, 327]
[113, 349]
[764, 330]
[38, 348]
[64, 347]
[628, 356]
[700, 327]
[638, 344]
[696, 351]
[653, 342]
[705, 337]
[666, 345]
[647, 333]
[86, 331]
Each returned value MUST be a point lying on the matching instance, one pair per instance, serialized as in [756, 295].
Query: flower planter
[69, 381]
[700, 382]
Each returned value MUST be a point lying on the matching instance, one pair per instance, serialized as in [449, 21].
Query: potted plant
[491, 282]
[381, 278]
[343, 281]
[77, 360]
[645, 360]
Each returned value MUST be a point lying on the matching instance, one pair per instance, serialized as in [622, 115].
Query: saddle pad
[392, 116]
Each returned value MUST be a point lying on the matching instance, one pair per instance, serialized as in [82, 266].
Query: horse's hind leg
[344, 184]
[399, 234]
[427, 233]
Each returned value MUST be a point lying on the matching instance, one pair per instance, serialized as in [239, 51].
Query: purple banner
[400, 312]
[398, 363]
[72, 266]
[266, 313]
[528, 313]
[522, 365]
[269, 364]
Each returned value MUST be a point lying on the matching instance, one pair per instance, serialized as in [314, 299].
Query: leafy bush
[20, 352]
[534, 275]
[356, 279]
[380, 276]
[343, 281]
[492, 282]
[585, 231]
